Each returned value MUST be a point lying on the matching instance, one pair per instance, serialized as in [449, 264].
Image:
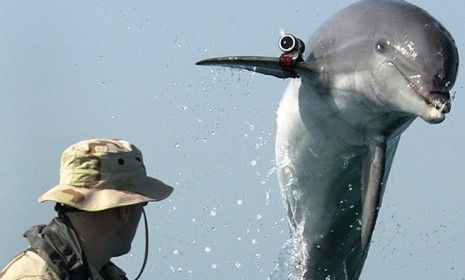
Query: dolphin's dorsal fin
[260, 64]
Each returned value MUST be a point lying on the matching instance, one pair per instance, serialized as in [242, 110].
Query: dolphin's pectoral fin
[260, 64]
[373, 174]
[375, 171]
[372, 184]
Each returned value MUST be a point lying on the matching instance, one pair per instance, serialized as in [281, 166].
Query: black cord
[146, 246]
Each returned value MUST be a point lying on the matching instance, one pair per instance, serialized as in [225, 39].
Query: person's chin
[123, 251]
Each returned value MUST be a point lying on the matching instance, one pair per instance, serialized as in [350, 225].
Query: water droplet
[254, 241]
[237, 264]
[239, 202]
[214, 266]
[175, 252]
[213, 213]
[253, 163]
[259, 217]
[208, 249]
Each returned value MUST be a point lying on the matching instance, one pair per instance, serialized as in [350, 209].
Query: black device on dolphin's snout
[292, 48]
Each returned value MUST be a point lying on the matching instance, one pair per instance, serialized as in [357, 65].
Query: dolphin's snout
[439, 100]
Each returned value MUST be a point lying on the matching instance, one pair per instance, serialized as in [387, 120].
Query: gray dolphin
[365, 75]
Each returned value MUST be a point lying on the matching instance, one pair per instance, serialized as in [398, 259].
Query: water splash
[289, 266]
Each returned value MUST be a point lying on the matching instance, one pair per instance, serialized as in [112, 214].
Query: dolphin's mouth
[438, 100]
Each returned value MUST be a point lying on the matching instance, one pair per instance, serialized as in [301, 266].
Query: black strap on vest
[59, 246]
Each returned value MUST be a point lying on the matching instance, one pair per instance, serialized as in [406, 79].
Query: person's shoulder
[28, 265]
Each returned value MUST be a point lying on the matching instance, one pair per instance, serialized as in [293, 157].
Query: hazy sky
[72, 71]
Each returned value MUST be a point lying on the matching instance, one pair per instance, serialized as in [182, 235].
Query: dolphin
[359, 82]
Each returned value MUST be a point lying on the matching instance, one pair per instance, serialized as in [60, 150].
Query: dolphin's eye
[381, 45]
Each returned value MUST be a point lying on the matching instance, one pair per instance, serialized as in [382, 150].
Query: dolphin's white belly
[319, 159]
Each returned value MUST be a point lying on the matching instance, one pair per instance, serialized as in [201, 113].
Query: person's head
[103, 188]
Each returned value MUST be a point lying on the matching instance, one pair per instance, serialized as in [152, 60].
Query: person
[100, 198]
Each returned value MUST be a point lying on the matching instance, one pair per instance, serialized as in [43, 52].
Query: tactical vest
[59, 246]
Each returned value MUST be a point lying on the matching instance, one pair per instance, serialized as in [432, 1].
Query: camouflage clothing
[99, 174]
[55, 254]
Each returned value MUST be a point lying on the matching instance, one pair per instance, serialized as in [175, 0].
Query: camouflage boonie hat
[99, 174]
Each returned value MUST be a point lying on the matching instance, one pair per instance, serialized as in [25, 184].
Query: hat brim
[91, 199]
